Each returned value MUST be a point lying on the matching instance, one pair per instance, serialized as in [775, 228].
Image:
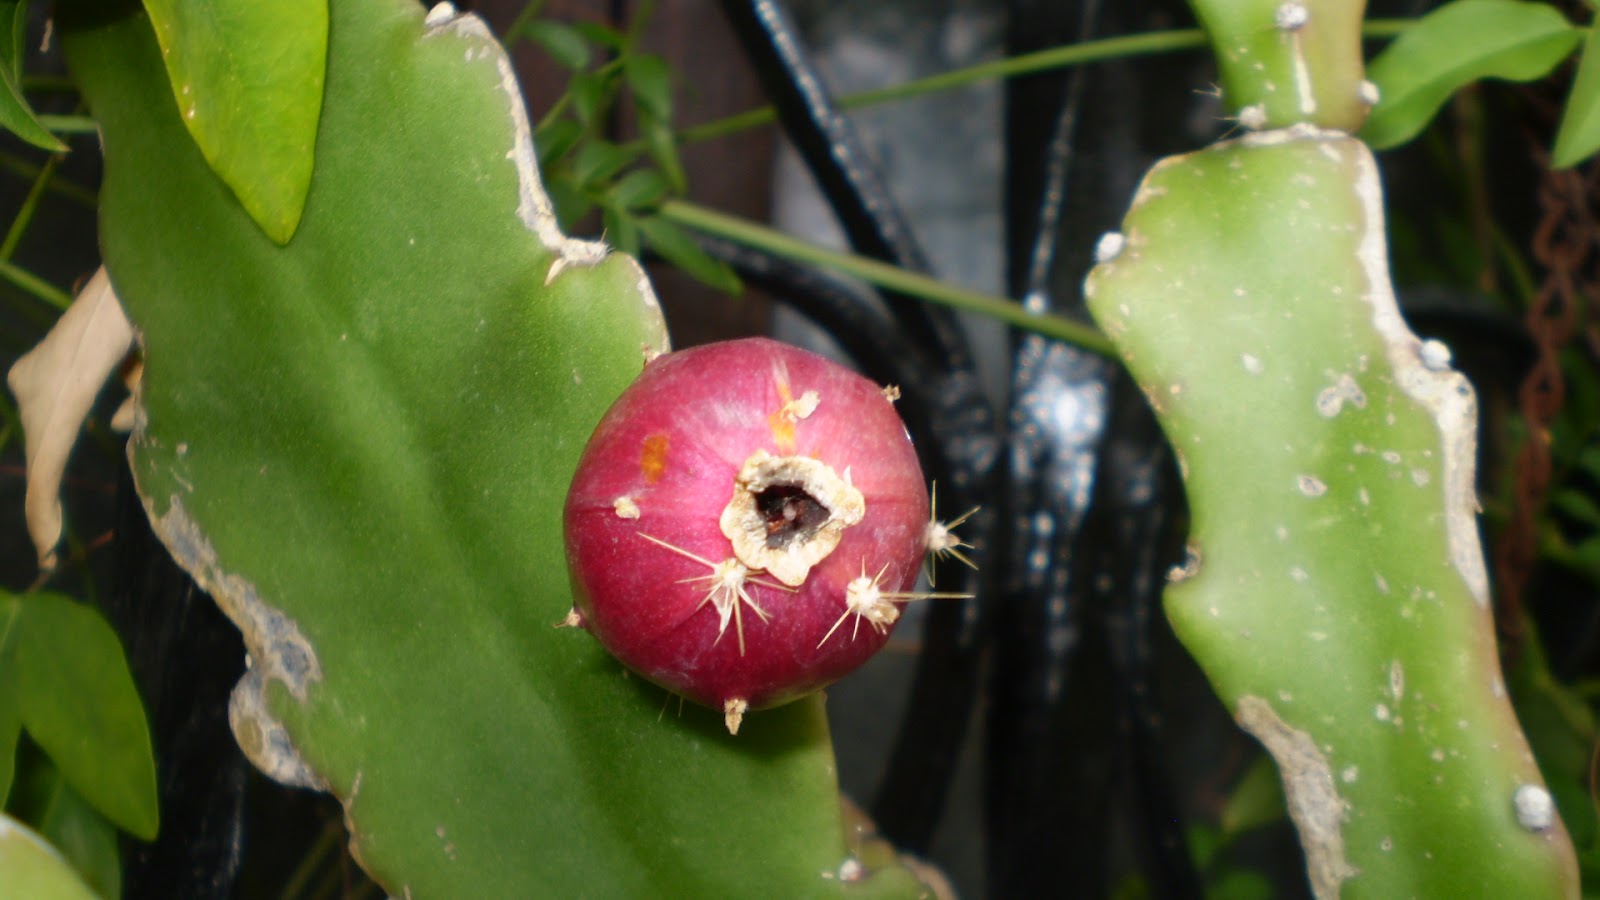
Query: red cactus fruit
[745, 524]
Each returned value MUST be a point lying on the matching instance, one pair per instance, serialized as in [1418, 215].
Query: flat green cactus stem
[1284, 62]
[1335, 594]
[360, 442]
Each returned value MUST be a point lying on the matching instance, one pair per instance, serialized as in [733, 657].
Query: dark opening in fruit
[790, 513]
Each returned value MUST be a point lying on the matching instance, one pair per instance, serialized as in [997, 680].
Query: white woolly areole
[1535, 809]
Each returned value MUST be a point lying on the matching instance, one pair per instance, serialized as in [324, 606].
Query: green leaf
[1203, 842]
[247, 78]
[10, 725]
[651, 80]
[604, 35]
[677, 247]
[598, 161]
[565, 44]
[1577, 504]
[13, 34]
[16, 115]
[555, 139]
[571, 203]
[1241, 884]
[78, 702]
[1587, 552]
[639, 189]
[1455, 45]
[31, 868]
[620, 230]
[361, 441]
[10, 715]
[663, 147]
[85, 838]
[1255, 801]
[1579, 135]
[1589, 461]
[591, 96]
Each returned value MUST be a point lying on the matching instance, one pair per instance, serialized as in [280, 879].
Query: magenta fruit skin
[664, 463]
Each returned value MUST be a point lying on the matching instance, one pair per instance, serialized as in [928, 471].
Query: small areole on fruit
[754, 484]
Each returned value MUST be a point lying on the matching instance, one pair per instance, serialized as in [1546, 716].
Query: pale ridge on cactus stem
[533, 204]
[1335, 593]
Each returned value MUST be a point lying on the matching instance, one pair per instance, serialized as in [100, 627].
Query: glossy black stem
[1046, 736]
[1139, 517]
[1069, 696]
[842, 165]
[953, 413]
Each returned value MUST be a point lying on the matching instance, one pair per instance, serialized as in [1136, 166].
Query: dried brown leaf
[55, 385]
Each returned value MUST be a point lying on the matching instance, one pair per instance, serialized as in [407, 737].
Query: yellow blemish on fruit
[653, 457]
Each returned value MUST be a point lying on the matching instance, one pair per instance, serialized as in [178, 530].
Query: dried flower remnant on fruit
[801, 407]
[787, 514]
[790, 410]
[733, 711]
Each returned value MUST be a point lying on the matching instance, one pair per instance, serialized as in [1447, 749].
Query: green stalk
[35, 285]
[77, 193]
[528, 14]
[1121, 47]
[69, 124]
[883, 275]
[30, 204]
[311, 862]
